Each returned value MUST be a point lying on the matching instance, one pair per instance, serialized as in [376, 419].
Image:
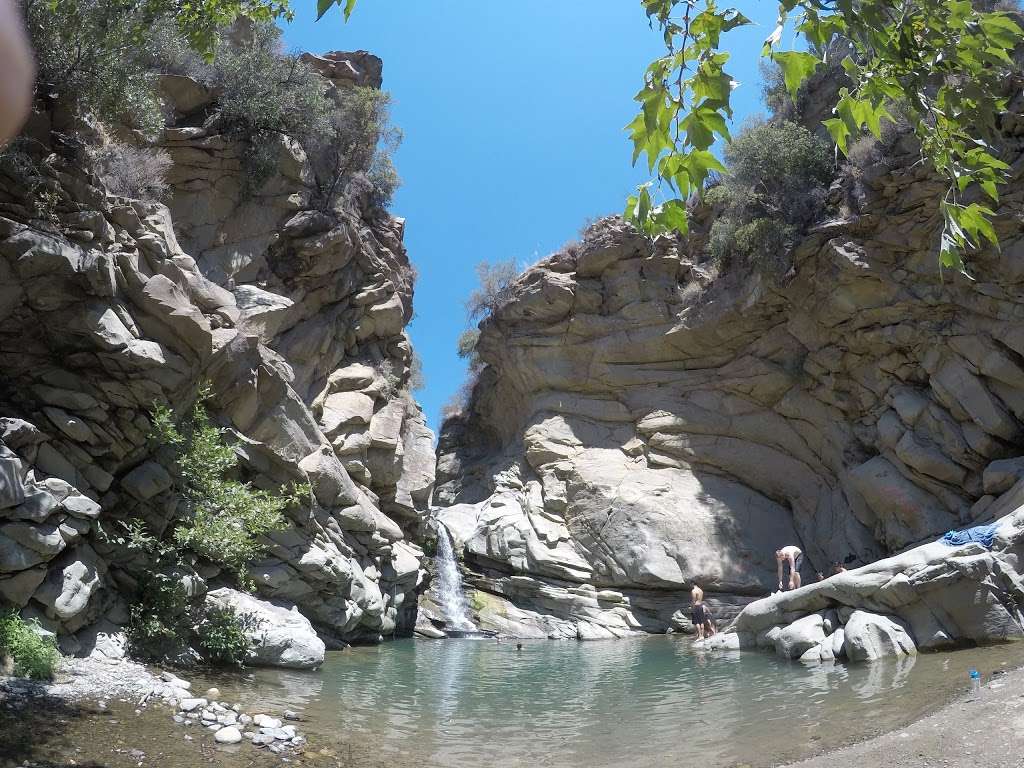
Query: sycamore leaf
[322, 7]
[975, 220]
[838, 131]
[1001, 29]
[671, 216]
[796, 67]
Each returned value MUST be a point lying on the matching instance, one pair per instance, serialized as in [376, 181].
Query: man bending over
[795, 558]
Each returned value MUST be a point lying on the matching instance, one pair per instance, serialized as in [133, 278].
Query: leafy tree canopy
[942, 61]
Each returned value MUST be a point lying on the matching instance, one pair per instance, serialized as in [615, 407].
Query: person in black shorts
[700, 614]
[794, 556]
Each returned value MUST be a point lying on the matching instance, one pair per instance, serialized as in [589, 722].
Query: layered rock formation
[640, 427]
[294, 314]
[930, 597]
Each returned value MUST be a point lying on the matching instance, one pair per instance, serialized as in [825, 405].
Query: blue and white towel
[982, 534]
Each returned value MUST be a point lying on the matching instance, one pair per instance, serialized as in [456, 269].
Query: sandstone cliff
[296, 317]
[639, 426]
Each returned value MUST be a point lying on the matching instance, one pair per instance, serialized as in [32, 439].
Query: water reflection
[476, 702]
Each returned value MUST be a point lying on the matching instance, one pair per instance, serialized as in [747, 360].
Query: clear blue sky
[513, 116]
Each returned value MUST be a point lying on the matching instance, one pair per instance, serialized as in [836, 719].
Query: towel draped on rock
[982, 534]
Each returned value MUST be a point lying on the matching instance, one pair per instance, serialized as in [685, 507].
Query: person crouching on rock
[700, 615]
[795, 558]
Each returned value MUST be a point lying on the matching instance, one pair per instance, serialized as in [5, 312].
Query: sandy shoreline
[987, 733]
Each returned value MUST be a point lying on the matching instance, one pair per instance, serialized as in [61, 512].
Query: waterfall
[449, 584]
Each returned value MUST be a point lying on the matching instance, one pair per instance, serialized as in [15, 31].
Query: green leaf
[671, 216]
[643, 206]
[1002, 30]
[838, 131]
[350, 5]
[975, 220]
[796, 67]
[323, 6]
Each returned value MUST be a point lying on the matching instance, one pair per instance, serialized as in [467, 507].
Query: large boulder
[870, 636]
[803, 634]
[280, 636]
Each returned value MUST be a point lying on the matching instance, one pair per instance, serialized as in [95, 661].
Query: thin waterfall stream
[449, 584]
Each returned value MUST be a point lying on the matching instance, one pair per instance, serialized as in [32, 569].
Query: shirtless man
[700, 615]
[795, 557]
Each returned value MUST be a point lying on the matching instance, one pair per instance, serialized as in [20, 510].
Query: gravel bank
[79, 679]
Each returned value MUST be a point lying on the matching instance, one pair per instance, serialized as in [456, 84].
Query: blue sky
[513, 117]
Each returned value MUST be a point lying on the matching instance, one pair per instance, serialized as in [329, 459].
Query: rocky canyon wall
[641, 425]
[294, 314]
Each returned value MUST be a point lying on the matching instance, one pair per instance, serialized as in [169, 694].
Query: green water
[617, 703]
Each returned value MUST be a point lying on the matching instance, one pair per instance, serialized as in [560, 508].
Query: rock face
[640, 426]
[929, 597]
[296, 318]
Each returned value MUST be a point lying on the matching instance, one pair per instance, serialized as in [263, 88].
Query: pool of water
[632, 702]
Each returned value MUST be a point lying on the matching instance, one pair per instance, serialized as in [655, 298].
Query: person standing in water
[795, 558]
[700, 615]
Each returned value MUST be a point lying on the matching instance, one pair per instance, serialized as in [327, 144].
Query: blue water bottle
[975, 684]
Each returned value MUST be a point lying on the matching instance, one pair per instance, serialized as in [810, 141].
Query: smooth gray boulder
[870, 636]
[280, 635]
[800, 636]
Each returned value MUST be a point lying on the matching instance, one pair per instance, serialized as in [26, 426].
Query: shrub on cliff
[357, 138]
[136, 172]
[265, 93]
[225, 519]
[86, 54]
[466, 346]
[32, 654]
[495, 288]
[774, 188]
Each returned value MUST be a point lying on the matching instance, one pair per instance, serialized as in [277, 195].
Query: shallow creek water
[613, 703]
[454, 703]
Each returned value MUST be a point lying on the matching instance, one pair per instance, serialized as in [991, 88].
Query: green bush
[86, 53]
[775, 187]
[160, 622]
[358, 139]
[34, 655]
[223, 636]
[165, 621]
[225, 519]
[265, 93]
